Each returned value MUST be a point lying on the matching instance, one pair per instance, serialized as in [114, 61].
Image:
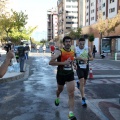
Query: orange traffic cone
[90, 74]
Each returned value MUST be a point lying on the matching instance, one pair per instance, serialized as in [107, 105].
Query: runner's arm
[53, 61]
[90, 54]
[6, 63]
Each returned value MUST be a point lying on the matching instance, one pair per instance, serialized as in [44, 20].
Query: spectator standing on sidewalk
[6, 63]
[94, 51]
[44, 48]
[83, 55]
[65, 74]
[27, 49]
[21, 53]
[8, 46]
[38, 48]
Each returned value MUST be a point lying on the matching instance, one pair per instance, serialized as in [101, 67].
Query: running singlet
[83, 53]
[64, 56]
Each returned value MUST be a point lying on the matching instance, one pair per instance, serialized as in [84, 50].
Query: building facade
[109, 9]
[52, 27]
[67, 16]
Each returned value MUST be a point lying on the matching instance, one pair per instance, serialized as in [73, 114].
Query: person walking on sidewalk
[94, 51]
[21, 53]
[27, 49]
[65, 74]
[6, 63]
[83, 55]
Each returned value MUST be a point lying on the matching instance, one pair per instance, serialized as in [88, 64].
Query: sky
[37, 14]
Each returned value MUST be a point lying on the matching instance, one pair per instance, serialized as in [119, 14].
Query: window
[92, 11]
[111, 10]
[100, 8]
[103, 4]
[74, 11]
[74, 0]
[68, 6]
[111, 1]
[68, 0]
[92, 18]
[87, 13]
[92, 4]
[103, 13]
[74, 6]
[71, 17]
[68, 27]
[71, 22]
[87, 20]
[68, 11]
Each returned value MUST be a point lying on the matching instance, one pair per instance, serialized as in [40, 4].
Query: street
[32, 98]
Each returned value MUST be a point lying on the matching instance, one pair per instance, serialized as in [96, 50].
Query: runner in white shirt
[83, 55]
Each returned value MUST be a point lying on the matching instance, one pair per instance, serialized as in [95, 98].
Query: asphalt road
[32, 98]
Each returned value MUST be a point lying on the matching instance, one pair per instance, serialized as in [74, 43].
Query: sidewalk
[10, 76]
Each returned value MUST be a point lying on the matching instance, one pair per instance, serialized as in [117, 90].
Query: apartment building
[81, 13]
[67, 16]
[108, 9]
[52, 21]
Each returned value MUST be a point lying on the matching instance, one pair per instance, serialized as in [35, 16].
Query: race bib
[67, 67]
[83, 66]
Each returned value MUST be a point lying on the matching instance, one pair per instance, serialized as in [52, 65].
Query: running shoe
[57, 101]
[71, 117]
[84, 104]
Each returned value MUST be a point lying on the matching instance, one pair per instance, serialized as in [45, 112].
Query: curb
[17, 77]
[101, 77]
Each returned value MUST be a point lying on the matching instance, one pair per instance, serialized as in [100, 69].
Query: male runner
[83, 55]
[65, 74]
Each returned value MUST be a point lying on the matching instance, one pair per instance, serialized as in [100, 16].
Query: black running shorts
[61, 79]
[82, 73]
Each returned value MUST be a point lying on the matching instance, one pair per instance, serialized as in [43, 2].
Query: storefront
[111, 44]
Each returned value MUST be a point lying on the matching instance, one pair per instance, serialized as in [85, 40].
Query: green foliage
[14, 26]
[20, 19]
[91, 37]
[6, 23]
[75, 34]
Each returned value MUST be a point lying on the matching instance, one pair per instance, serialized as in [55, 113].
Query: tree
[7, 23]
[91, 39]
[72, 34]
[75, 34]
[108, 25]
[113, 23]
[3, 4]
[13, 23]
[20, 19]
[24, 34]
[100, 26]
[78, 33]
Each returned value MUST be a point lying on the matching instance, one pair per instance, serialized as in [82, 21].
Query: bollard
[115, 56]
